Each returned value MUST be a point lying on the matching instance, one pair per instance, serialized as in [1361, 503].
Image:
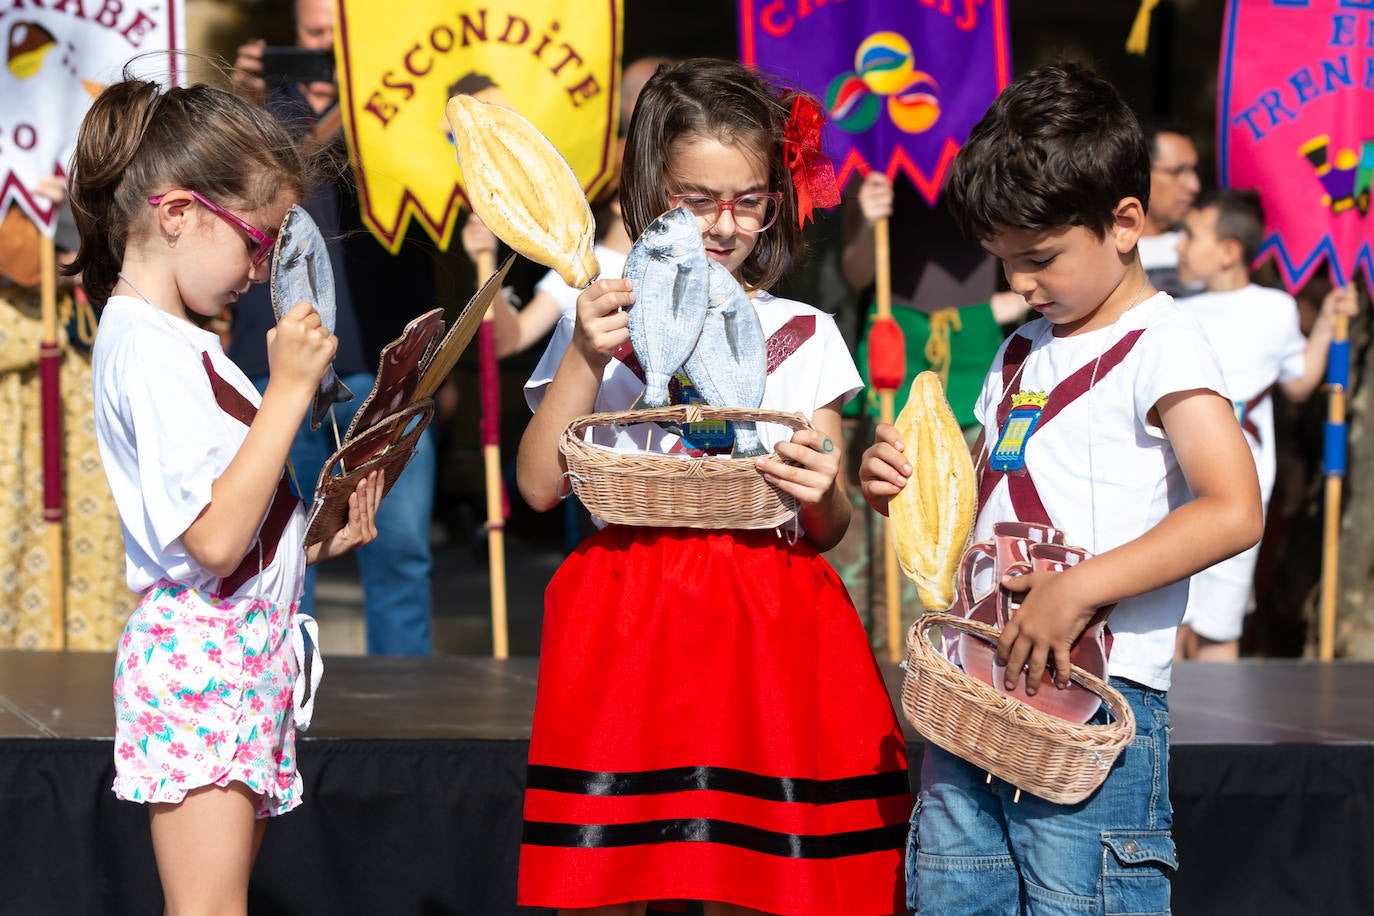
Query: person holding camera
[297, 87]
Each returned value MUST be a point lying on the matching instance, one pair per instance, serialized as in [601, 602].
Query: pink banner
[1295, 120]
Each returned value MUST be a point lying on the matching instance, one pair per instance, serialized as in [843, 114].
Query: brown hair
[720, 99]
[1058, 147]
[1240, 219]
[138, 141]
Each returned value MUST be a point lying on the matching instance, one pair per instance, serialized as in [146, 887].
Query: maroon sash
[1025, 499]
[264, 547]
[1247, 423]
[781, 344]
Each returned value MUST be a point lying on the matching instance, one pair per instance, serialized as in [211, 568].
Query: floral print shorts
[203, 697]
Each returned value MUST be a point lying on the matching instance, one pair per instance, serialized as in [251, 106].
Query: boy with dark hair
[1136, 457]
[1254, 331]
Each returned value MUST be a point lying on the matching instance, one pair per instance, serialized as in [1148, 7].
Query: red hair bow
[812, 173]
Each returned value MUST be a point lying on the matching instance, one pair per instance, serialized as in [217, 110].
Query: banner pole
[491, 459]
[1337, 378]
[50, 398]
[887, 413]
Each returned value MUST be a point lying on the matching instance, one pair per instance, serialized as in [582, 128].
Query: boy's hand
[299, 349]
[1340, 301]
[818, 460]
[603, 319]
[1053, 615]
[883, 470]
[361, 527]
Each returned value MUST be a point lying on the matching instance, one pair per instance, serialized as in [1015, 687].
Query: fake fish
[729, 365]
[301, 272]
[668, 267]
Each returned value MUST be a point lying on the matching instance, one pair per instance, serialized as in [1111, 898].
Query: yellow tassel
[1139, 39]
[942, 324]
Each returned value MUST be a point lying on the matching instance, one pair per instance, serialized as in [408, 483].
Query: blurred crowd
[948, 296]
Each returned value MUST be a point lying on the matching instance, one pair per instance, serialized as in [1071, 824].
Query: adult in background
[1174, 185]
[396, 568]
[97, 600]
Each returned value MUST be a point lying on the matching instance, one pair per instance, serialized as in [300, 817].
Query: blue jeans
[396, 568]
[973, 849]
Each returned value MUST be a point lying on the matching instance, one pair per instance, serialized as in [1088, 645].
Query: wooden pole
[1338, 374]
[886, 403]
[496, 518]
[51, 408]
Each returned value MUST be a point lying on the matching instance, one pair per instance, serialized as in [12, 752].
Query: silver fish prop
[301, 272]
[729, 365]
[668, 267]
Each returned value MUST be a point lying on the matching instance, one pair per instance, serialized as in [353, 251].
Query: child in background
[1254, 331]
[710, 723]
[1136, 457]
[176, 195]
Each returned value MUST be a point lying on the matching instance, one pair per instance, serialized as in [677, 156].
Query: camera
[285, 65]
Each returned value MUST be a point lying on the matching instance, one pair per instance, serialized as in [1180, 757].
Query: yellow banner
[554, 61]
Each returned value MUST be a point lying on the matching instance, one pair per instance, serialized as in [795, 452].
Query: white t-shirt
[164, 441]
[818, 372]
[612, 268]
[1158, 251]
[1254, 331]
[1103, 471]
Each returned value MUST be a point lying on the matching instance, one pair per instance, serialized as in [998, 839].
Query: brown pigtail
[138, 141]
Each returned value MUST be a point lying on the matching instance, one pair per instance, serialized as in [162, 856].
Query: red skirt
[710, 724]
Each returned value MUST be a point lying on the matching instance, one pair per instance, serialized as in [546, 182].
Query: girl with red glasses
[710, 723]
[175, 195]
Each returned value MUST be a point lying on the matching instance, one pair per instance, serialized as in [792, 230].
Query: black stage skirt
[711, 725]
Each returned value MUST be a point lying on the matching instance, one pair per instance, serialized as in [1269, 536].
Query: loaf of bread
[932, 516]
[523, 188]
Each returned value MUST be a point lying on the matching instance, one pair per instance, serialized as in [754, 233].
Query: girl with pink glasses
[176, 196]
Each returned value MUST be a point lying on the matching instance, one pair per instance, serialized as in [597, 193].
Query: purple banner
[903, 81]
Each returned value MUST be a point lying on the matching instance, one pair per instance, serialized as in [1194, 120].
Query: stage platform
[415, 770]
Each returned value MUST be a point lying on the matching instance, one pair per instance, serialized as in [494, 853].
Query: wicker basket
[672, 491]
[1063, 762]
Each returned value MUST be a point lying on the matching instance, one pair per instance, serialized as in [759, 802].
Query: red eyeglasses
[752, 212]
[265, 241]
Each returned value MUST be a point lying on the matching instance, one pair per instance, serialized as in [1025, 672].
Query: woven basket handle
[1113, 700]
[687, 413]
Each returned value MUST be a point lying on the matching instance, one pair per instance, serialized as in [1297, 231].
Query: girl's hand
[1053, 614]
[299, 349]
[603, 319]
[818, 465]
[883, 470]
[875, 197]
[477, 238]
[362, 521]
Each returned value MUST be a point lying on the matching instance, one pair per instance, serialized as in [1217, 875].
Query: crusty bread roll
[932, 516]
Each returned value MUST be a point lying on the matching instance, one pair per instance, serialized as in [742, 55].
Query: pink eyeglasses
[265, 241]
[752, 212]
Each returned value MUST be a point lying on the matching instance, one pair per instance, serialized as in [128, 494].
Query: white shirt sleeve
[548, 363]
[838, 376]
[1174, 356]
[1292, 344]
